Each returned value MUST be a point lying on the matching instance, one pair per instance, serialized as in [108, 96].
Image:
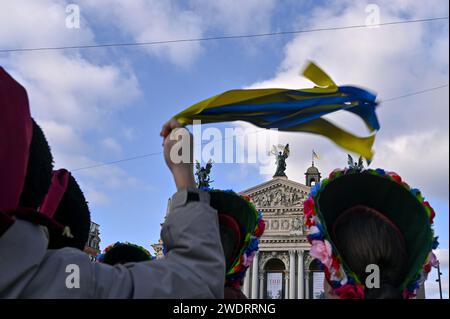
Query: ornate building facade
[282, 267]
[92, 247]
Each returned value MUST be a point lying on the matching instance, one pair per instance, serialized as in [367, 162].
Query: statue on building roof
[281, 153]
[355, 165]
[202, 173]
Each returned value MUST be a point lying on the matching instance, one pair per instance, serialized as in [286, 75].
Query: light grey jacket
[193, 268]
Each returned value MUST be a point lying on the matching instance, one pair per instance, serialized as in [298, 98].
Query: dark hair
[124, 253]
[365, 236]
[39, 170]
[73, 211]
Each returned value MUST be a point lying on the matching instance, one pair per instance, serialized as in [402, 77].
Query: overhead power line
[415, 93]
[225, 37]
[256, 131]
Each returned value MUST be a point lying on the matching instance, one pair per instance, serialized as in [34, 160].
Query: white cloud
[25, 23]
[96, 198]
[153, 20]
[422, 158]
[150, 21]
[108, 177]
[70, 89]
[70, 95]
[129, 134]
[112, 145]
[442, 256]
[392, 61]
[63, 137]
[235, 16]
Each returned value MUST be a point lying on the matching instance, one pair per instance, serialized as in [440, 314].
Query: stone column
[286, 285]
[291, 274]
[246, 290]
[255, 277]
[261, 285]
[307, 284]
[300, 274]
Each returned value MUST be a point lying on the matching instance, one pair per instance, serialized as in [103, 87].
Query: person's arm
[193, 268]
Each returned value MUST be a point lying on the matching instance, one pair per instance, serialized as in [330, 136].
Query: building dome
[312, 175]
[312, 170]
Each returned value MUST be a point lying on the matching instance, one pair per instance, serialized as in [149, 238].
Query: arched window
[316, 280]
[274, 279]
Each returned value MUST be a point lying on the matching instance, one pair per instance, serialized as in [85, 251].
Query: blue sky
[100, 105]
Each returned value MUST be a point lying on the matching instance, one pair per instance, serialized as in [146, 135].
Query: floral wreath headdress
[402, 205]
[241, 220]
[101, 257]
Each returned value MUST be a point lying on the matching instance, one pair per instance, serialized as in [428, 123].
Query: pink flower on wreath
[322, 251]
[433, 260]
[247, 260]
[350, 291]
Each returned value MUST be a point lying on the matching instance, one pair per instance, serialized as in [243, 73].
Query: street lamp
[439, 278]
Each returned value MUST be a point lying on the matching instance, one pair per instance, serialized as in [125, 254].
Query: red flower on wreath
[310, 222]
[333, 173]
[335, 263]
[408, 294]
[308, 207]
[395, 177]
[239, 268]
[350, 291]
[260, 228]
[427, 268]
[431, 210]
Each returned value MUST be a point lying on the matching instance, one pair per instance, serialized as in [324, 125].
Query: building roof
[312, 170]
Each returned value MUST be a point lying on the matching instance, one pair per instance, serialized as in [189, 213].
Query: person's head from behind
[25, 157]
[72, 212]
[123, 253]
[39, 170]
[372, 233]
[241, 226]
[363, 236]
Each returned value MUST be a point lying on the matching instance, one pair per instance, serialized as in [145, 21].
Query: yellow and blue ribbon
[294, 110]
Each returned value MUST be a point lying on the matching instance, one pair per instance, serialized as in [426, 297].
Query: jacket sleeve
[193, 268]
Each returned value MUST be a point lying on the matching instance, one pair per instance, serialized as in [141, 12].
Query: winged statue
[202, 173]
